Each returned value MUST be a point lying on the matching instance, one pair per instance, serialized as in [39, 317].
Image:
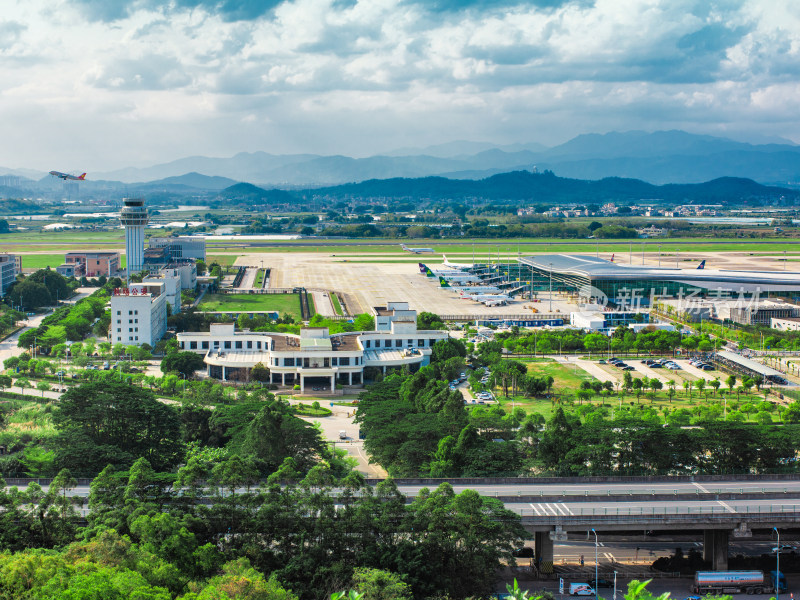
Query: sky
[102, 84]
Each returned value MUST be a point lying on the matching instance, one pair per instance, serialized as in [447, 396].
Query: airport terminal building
[604, 282]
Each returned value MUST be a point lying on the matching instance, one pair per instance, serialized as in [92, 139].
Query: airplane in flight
[418, 250]
[67, 176]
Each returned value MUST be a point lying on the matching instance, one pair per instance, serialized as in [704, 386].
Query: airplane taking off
[67, 176]
[418, 250]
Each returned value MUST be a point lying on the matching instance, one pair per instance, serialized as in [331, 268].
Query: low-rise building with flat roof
[181, 247]
[314, 358]
[94, 264]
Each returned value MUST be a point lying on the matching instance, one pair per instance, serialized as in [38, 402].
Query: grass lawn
[337, 306]
[283, 303]
[567, 378]
[224, 260]
[259, 282]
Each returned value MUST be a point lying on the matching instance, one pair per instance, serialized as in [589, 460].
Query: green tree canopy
[101, 423]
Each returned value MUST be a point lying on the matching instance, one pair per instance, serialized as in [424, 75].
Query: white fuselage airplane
[476, 289]
[67, 176]
[418, 250]
[489, 298]
[447, 263]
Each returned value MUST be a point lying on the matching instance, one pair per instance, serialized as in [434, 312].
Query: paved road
[342, 420]
[323, 304]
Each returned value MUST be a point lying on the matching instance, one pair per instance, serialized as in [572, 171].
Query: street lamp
[595, 564]
[551, 287]
[777, 565]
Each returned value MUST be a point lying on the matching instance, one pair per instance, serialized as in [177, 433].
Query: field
[32, 241]
[283, 303]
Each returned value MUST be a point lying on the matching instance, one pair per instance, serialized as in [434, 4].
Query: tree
[730, 381]
[260, 373]
[375, 584]
[240, 581]
[429, 321]
[715, 383]
[671, 386]
[655, 385]
[101, 423]
[700, 384]
[185, 363]
[687, 388]
[23, 382]
[30, 294]
[43, 386]
[595, 342]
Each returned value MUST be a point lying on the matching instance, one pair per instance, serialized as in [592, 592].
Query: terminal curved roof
[598, 268]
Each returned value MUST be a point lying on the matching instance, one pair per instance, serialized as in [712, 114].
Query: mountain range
[658, 158]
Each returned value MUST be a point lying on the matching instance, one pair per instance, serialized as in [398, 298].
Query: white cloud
[363, 76]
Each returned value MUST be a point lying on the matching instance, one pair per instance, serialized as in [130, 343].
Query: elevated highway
[552, 507]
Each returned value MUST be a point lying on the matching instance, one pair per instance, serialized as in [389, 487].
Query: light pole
[551, 287]
[777, 565]
[595, 564]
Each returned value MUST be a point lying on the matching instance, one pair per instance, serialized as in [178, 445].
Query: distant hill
[549, 188]
[251, 193]
[194, 180]
[656, 157]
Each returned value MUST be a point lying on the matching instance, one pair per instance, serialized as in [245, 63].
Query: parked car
[601, 362]
[627, 368]
[600, 583]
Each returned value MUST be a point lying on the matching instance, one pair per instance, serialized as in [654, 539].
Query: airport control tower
[134, 218]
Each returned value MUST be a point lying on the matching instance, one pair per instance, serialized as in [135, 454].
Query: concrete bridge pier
[543, 551]
[715, 548]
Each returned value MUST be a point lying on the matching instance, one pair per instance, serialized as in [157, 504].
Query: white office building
[172, 287]
[138, 314]
[315, 358]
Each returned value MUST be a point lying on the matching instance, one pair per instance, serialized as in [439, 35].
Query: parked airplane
[475, 289]
[418, 250]
[702, 265]
[489, 298]
[67, 176]
[447, 263]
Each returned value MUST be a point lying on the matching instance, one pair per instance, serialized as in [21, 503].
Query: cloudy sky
[100, 84]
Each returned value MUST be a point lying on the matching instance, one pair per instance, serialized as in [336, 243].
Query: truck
[737, 582]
